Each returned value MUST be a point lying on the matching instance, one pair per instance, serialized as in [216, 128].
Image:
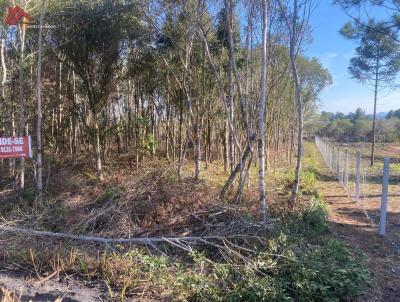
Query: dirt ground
[349, 223]
[48, 289]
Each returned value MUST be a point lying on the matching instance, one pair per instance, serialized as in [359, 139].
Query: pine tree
[377, 60]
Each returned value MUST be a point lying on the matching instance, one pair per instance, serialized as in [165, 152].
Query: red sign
[15, 147]
[15, 14]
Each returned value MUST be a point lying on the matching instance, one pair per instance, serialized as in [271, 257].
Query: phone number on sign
[11, 149]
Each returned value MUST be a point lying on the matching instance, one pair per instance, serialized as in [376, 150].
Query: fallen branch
[137, 240]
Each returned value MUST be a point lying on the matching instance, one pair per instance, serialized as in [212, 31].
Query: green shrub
[309, 223]
[314, 217]
[299, 264]
[308, 182]
[328, 273]
[286, 271]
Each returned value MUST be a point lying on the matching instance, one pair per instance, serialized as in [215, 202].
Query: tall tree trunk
[261, 115]
[39, 110]
[231, 145]
[3, 92]
[291, 141]
[293, 39]
[374, 118]
[22, 100]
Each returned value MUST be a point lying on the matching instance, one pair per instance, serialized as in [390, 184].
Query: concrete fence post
[358, 177]
[384, 198]
[338, 164]
[346, 169]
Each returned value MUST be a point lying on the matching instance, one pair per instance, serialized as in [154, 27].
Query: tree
[90, 43]
[393, 114]
[261, 112]
[39, 109]
[376, 63]
[297, 25]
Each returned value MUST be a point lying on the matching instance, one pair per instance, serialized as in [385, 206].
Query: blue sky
[334, 52]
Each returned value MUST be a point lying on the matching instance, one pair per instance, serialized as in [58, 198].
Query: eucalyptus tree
[295, 14]
[261, 113]
[91, 43]
[27, 6]
[183, 55]
[39, 177]
[228, 36]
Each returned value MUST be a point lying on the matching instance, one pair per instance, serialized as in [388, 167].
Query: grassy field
[391, 150]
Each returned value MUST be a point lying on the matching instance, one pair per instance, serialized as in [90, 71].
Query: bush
[286, 271]
[308, 182]
[299, 264]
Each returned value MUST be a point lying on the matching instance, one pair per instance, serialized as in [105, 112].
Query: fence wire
[363, 182]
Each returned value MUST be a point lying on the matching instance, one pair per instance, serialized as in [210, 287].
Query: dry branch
[136, 240]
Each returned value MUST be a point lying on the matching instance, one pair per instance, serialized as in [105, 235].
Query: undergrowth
[300, 262]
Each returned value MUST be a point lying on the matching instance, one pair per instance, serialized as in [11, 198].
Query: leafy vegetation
[300, 261]
[161, 119]
[357, 127]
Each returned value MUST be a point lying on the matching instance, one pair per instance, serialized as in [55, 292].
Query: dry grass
[148, 202]
[381, 150]
[8, 296]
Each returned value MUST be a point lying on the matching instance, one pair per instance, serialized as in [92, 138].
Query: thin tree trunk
[22, 101]
[96, 145]
[3, 93]
[261, 116]
[39, 108]
[245, 157]
[296, 184]
[225, 147]
[374, 118]
[291, 141]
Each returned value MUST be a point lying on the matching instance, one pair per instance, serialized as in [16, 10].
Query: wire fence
[375, 189]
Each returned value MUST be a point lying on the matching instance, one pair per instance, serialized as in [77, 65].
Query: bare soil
[28, 288]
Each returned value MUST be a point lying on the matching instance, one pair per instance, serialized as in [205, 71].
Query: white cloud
[327, 58]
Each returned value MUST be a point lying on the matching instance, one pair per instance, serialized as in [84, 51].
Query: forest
[168, 80]
[172, 153]
[357, 126]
